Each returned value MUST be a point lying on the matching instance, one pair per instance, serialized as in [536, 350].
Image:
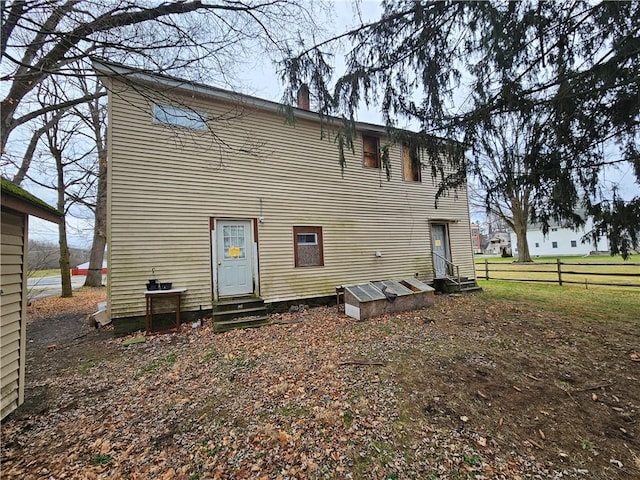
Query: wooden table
[151, 294]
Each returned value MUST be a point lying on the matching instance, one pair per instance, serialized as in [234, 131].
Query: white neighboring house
[561, 241]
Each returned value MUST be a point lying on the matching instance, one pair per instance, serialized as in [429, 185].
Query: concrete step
[238, 313]
[450, 285]
[238, 304]
[242, 322]
[472, 289]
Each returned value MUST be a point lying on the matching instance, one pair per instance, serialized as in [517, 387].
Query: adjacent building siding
[13, 308]
[17, 205]
[561, 241]
[166, 183]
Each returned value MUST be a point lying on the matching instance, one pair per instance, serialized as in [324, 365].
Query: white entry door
[234, 254]
[440, 245]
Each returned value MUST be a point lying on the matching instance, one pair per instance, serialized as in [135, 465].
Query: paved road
[50, 286]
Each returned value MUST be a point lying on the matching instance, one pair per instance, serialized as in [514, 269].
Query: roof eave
[16, 198]
[21, 205]
[108, 69]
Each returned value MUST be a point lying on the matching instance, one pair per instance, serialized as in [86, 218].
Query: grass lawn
[595, 259]
[602, 269]
[54, 272]
[521, 381]
[591, 304]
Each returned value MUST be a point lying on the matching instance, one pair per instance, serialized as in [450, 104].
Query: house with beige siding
[219, 195]
[16, 206]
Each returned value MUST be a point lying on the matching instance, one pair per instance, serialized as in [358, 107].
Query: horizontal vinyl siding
[11, 288]
[10, 400]
[10, 337]
[10, 309]
[10, 316]
[167, 183]
[10, 361]
[11, 253]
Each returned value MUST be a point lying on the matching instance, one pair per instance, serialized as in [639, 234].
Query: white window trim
[315, 236]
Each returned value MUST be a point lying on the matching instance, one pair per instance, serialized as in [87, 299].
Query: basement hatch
[376, 298]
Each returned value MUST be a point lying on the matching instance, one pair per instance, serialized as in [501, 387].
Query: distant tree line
[46, 256]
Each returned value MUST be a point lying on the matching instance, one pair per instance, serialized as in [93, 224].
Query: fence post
[559, 271]
[486, 269]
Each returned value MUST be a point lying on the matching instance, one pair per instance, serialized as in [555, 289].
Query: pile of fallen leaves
[84, 300]
[320, 396]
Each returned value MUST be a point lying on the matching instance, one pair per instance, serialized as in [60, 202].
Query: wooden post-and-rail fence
[625, 274]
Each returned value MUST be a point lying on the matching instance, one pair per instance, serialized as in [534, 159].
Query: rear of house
[218, 194]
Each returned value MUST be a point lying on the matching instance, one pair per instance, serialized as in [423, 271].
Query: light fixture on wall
[261, 217]
[378, 254]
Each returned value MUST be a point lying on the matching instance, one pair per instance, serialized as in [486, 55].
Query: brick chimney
[303, 97]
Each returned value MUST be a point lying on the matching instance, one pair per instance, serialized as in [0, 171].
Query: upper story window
[410, 166]
[371, 151]
[179, 117]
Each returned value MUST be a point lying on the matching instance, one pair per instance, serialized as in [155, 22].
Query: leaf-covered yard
[474, 387]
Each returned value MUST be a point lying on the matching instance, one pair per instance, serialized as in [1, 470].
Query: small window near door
[537, 244]
[371, 151]
[307, 246]
[410, 166]
[574, 243]
[554, 244]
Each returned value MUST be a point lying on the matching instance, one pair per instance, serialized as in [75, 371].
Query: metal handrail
[452, 266]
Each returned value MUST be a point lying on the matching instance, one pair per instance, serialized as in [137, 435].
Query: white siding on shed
[12, 308]
[166, 183]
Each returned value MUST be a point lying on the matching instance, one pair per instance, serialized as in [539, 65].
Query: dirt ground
[470, 388]
[60, 334]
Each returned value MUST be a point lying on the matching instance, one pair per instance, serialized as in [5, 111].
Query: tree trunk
[523, 245]
[94, 275]
[65, 255]
[65, 265]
